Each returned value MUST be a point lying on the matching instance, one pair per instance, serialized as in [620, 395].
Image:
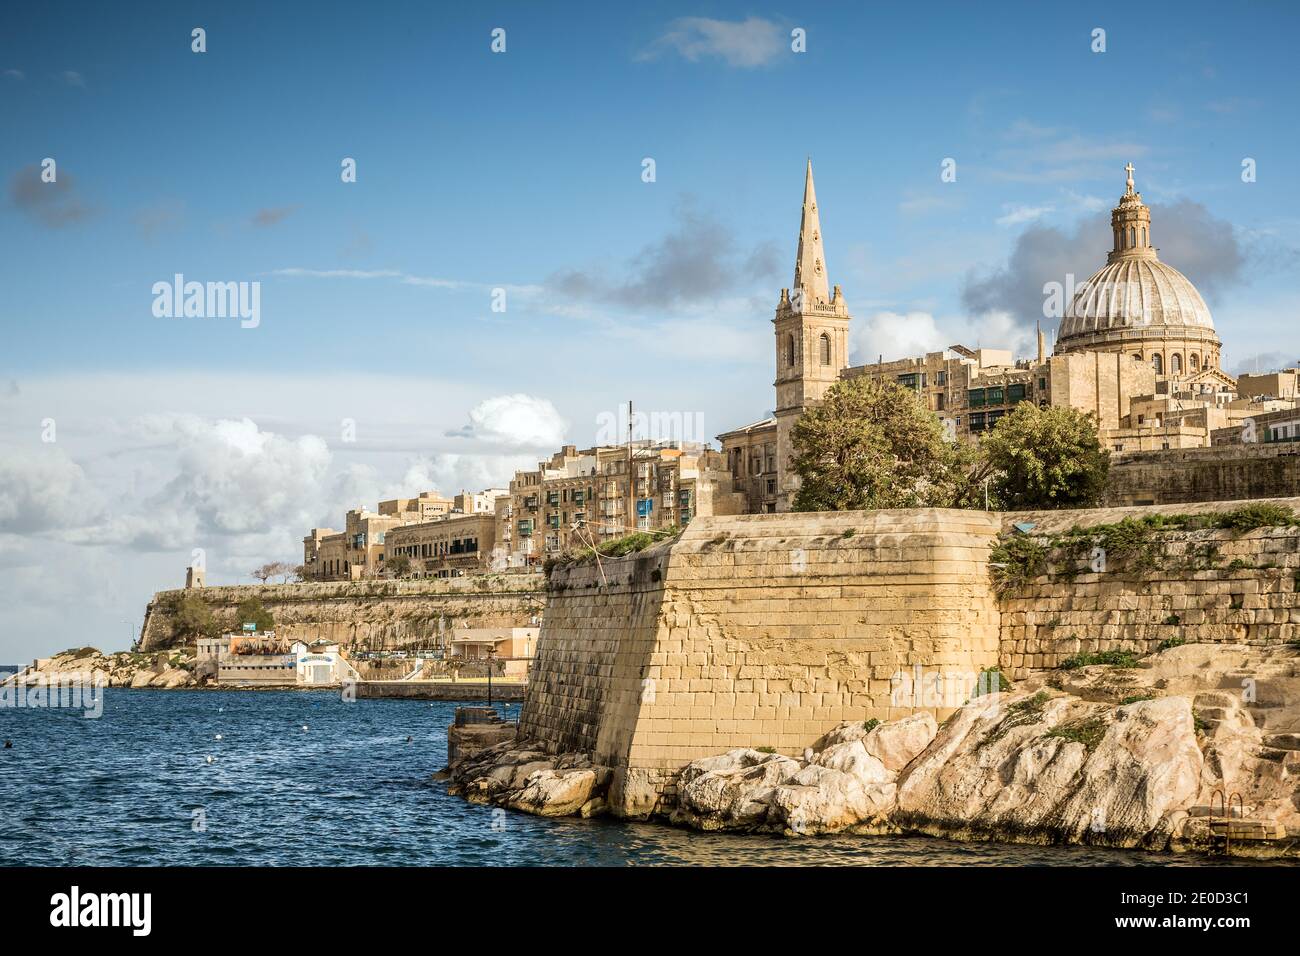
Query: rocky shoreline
[164, 670]
[1139, 756]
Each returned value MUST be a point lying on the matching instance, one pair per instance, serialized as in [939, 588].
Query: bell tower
[812, 339]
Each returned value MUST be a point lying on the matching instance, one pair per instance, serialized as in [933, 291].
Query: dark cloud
[1267, 362]
[159, 217]
[273, 215]
[53, 204]
[1203, 248]
[698, 261]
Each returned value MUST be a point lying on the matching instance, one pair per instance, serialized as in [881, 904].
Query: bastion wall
[768, 630]
[1206, 586]
[375, 613]
[1217, 473]
[756, 631]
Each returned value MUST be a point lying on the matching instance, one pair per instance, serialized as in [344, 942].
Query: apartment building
[448, 547]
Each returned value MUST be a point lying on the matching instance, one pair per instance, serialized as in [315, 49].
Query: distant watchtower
[812, 340]
[194, 578]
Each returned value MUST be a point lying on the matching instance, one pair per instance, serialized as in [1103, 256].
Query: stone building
[443, 548]
[1136, 348]
[581, 498]
[750, 454]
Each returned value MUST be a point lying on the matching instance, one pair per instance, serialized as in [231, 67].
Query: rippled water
[128, 787]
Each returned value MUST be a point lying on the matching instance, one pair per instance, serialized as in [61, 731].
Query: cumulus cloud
[698, 261]
[42, 491]
[521, 421]
[1191, 240]
[747, 44]
[229, 477]
[895, 335]
[53, 204]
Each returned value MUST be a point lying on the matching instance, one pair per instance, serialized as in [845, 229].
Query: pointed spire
[810, 266]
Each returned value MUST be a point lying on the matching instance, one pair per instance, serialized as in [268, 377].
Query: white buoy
[304, 726]
[210, 758]
[218, 736]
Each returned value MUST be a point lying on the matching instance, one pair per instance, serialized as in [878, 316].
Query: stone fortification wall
[766, 631]
[365, 613]
[756, 631]
[1219, 473]
[1196, 586]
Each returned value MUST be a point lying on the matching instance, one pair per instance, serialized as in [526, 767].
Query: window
[975, 398]
[941, 378]
[1144, 235]
[824, 348]
[789, 350]
[1042, 384]
[938, 402]
[994, 396]
[1193, 363]
[1015, 393]
[1176, 364]
[771, 486]
[977, 421]
[1132, 236]
[1158, 364]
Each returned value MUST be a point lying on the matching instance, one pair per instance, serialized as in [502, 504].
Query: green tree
[873, 444]
[1044, 458]
[400, 565]
[251, 610]
[194, 619]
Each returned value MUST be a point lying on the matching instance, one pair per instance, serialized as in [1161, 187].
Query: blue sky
[522, 170]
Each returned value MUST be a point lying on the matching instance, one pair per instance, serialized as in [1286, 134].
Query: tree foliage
[1044, 458]
[873, 444]
[194, 619]
[252, 611]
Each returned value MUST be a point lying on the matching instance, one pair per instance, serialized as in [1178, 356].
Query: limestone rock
[851, 758]
[1035, 766]
[555, 793]
[141, 679]
[733, 790]
[896, 744]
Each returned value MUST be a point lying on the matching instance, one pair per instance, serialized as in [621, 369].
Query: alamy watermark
[208, 300]
[74, 690]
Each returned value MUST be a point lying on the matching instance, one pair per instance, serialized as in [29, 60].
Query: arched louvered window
[1176, 364]
[824, 349]
[1158, 364]
[1194, 363]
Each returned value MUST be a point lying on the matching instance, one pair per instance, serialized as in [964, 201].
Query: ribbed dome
[1135, 292]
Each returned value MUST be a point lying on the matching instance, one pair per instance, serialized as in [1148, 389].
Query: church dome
[1138, 304]
[1135, 293]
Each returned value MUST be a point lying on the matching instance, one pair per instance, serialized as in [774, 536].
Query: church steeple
[810, 266]
[1130, 222]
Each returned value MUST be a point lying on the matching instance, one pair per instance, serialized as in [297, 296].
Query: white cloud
[896, 335]
[516, 420]
[746, 43]
[1017, 214]
[42, 490]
